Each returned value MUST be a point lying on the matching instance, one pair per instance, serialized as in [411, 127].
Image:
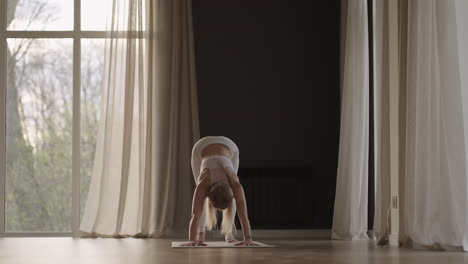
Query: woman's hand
[197, 243]
[247, 242]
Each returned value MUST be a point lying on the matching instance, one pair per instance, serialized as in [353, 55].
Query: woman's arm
[241, 208]
[197, 208]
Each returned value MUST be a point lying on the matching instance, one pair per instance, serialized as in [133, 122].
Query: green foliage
[39, 125]
[39, 136]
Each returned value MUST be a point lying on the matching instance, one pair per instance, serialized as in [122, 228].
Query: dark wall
[268, 78]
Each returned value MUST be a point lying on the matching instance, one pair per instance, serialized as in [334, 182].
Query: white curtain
[381, 54]
[350, 211]
[433, 175]
[462, 27]
[433, 166]
[436, 186]
[141, 183]
[381, 121]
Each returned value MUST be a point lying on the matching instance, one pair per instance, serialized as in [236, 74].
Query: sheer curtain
[433, 165]
[435, 191]
[350, 211]
[141, 183]
[462, 27]
[381, 121]
[381, 55]
[433, 186]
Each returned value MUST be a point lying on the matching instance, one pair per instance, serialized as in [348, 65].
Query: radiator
[289, 198]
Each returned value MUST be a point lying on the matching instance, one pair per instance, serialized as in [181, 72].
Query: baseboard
[292, 234]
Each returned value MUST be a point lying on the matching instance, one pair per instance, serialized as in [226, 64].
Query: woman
[215, 161]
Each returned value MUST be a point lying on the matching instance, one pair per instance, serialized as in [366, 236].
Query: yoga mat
[221, 244]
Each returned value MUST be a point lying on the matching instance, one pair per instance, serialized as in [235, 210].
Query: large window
[51, 58]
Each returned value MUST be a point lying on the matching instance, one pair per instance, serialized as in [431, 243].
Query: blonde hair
[221, 196]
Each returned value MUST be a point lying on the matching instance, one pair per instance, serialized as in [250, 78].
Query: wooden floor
[135, 251]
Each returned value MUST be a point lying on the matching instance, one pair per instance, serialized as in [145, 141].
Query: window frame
[76, 35]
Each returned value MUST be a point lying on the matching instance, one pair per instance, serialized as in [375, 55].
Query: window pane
[38, 135]
[40, 14]
[95, 14]
[92, 59]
